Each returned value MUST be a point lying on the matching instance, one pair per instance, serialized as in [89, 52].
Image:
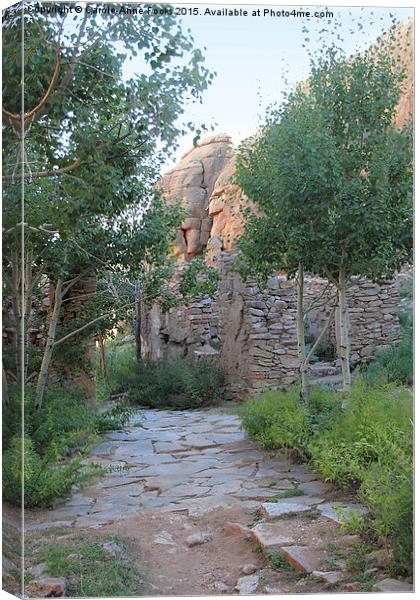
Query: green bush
[42, 480]
[375, 428]
[63, 424]
[278, 419]
[389, 495]
[367, 448]
[164, 383]
[395, 363]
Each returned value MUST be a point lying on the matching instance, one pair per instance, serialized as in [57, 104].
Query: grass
[89, 569]
[287, 494]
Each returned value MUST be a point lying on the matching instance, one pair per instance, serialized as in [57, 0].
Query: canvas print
[207, 299]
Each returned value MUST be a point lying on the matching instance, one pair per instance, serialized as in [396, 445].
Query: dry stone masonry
[251, 332]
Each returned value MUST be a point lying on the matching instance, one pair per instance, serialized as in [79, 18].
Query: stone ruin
[36, 331]
[250, 332]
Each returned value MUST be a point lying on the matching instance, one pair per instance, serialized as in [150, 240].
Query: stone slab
[330, 577]
[303, 558]
[272, 536]
[393, 586]
[247, 585]
[329, 510]
[276, 510]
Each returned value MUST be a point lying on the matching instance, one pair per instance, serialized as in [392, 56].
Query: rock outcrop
[191, 182]
[252, 332]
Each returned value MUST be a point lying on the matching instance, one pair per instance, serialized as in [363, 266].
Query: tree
[333, 179]
[86, 145]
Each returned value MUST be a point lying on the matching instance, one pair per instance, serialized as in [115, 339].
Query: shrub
[278, 419]
[389, 495]
[42, 480]
[395, 363]
[368, 447]
[64, 423]
[375, 428]
[164, 383]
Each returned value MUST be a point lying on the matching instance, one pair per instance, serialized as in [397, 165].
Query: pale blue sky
[250, 55]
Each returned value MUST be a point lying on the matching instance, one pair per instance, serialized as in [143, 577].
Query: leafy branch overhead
[89, 142]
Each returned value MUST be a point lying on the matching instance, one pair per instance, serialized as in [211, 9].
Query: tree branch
[321, 335]
[51, 173]
[16, 118]
[73, 333]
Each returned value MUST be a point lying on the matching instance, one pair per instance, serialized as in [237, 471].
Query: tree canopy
[331, 176]
[83, 144]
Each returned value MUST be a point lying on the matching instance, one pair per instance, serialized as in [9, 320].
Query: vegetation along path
[205, 511]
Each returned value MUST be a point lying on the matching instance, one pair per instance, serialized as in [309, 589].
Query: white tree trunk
[49, 346]
[137, 323]
[344, 341]
[304, 386]
[5, 389]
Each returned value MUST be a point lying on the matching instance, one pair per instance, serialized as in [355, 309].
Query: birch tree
[86, 143]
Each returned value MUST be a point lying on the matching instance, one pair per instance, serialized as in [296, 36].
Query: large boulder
[191, 183]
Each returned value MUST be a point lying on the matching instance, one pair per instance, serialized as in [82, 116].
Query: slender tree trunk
[49, 346]
[21, 293]
[137, 323]
[344, 342]
[304, 385]
[5, 389]
[102, 361]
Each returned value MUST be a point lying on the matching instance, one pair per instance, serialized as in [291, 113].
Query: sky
[251, 56]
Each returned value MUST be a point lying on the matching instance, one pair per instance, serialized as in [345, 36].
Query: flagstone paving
[197, 497]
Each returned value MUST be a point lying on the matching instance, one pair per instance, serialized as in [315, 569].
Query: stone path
[197, 498]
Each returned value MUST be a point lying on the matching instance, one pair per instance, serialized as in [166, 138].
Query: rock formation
[252, 332]
[191, 183]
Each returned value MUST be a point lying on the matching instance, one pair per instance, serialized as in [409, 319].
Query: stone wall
[38, 322]
[252, 333]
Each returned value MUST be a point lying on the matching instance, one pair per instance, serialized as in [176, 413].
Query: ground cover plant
[93, 565]
[54, 441]
[164, 383]
[367, 448]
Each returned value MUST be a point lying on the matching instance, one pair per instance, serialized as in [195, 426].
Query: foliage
[331, 180]
[89, 570]
[42, 480]
[278, 420]
[94, 143]
[63, 425]
[368, 447]
[165, 383]
[329, 174]
[394, 363]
